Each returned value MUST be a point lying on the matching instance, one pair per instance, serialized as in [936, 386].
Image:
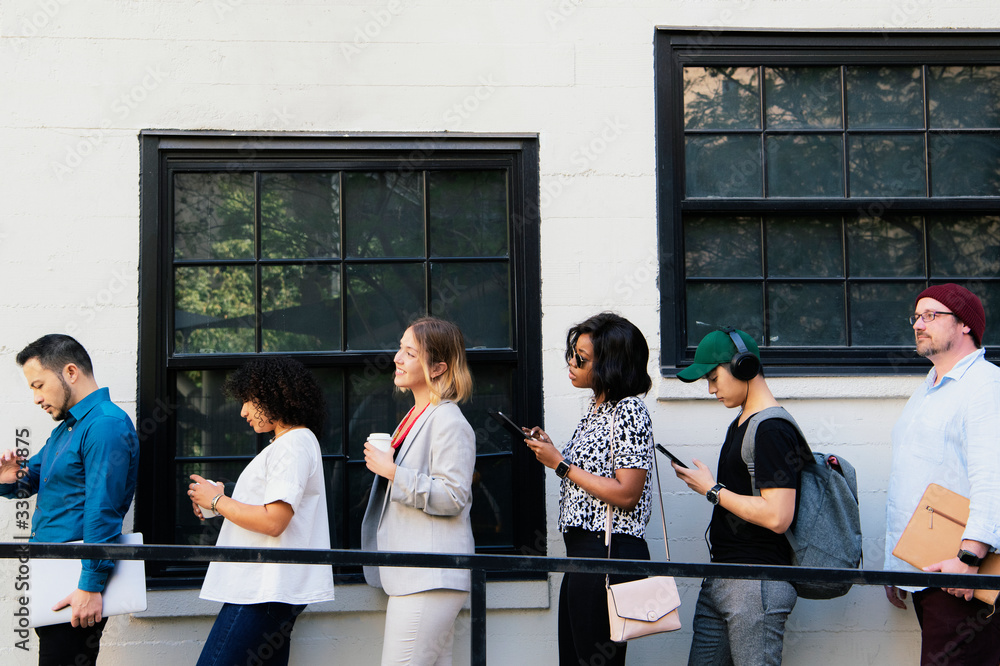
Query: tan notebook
[934, 533]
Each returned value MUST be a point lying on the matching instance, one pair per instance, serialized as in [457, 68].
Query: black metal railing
[481, 564]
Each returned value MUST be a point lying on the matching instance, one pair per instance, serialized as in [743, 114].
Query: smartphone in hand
[509, 424]
[673, 458]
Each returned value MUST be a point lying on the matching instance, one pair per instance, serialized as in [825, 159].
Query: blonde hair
[442, 342]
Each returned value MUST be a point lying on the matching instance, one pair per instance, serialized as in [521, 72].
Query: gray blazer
[426, 507]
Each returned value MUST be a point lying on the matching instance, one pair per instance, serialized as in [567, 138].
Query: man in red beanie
[948, 434]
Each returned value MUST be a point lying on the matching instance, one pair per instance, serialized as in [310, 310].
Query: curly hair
[283, 389]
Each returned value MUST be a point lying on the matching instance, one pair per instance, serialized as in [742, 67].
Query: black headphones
[744, 365]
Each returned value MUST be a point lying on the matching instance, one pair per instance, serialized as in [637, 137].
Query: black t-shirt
[779, 455]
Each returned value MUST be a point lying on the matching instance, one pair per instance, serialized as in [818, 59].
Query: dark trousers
[956, 632]
[251, 634]
[584, 631]
[66, 645]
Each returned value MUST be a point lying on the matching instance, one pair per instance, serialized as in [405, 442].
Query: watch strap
[970, 558]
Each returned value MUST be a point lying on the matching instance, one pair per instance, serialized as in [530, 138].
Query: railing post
[478, 617]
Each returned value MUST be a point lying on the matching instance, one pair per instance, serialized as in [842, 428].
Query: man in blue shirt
[949, 434]
[84, 478]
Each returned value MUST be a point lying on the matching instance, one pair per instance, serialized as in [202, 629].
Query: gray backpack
[826, 531]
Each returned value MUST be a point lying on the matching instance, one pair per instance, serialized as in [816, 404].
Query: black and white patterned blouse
[589, 450]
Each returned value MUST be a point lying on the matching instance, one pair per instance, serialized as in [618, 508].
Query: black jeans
[66, 645]
[584, 632]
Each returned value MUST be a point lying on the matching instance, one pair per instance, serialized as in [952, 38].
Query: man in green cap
[743, 621]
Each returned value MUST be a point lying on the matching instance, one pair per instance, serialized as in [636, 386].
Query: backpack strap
[750, 438]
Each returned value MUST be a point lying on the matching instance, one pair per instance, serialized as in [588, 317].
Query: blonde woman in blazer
[422, 494]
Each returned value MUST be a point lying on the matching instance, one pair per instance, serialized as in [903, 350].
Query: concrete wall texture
[79, 80]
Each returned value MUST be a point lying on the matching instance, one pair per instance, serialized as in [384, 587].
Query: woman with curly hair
[605, 464]
[279, 502]
[422, 494]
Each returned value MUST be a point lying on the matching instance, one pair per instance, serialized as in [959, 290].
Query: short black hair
[283, 388]
[620, 355]
[55, 351]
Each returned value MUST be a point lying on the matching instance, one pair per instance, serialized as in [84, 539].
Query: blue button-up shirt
[85, 479]
[948, 434]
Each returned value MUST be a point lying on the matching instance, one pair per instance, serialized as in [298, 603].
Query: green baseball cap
[714, 349]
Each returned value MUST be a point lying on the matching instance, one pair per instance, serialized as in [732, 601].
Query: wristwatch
[562, 469]
[713, 494]
[970, 558]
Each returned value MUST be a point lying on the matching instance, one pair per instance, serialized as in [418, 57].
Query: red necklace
[398, 437]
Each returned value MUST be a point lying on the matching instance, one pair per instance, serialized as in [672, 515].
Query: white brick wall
[80, 79]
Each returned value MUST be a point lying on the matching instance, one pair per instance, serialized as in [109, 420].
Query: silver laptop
[53, 580]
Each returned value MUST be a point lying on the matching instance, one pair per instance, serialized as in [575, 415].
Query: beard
[63, 411]
[930, 349]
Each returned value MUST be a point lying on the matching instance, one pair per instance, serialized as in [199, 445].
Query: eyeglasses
[578, 360]
[927, 316]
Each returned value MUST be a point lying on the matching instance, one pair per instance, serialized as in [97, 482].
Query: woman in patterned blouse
[608, 355]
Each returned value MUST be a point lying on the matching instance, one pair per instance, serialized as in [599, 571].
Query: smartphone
[661, 449]
[508, 424]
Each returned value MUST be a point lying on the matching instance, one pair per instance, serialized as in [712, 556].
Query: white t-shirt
[290, 470]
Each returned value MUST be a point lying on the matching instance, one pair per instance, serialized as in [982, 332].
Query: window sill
[804, 388]
[500, 595]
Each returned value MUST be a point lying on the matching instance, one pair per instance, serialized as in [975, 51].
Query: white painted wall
[78, 80]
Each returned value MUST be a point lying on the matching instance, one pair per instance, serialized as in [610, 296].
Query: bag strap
[750, 438]
[659, 493]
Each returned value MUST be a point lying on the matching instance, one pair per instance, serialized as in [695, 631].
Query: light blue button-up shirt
[948, 434]
[85, 478]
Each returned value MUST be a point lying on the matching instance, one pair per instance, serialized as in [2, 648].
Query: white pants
[420, 628]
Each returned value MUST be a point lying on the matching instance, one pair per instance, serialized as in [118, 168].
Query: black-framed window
[325, 248]
[810, 185]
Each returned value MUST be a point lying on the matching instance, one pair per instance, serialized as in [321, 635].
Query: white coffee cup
[381, 440]
[205, 511]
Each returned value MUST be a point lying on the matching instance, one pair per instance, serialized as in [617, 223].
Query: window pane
[804, 247]
[965, 165]
[494, 391]
[491, 502]
[213, 216]
[805, 165]
[964, 96]
[188, 529]
[213, 309]
[300, 215]
[383, 214]
[468, 213]
[209, 423]
[882, 97]
[964, 246]
[714, 305]
[359, 488]
[886, 247]
[477, 298]
[801, 97]
[879, 311]
[723, 166]
[382, 299]
[722, 247]
[721, 98]
[989, 294]
[335, 473]
[806, 314]
[373, 404]
[887, 165]
[300, 308]
[331, 382]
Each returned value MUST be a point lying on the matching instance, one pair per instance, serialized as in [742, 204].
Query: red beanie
[963, 303]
